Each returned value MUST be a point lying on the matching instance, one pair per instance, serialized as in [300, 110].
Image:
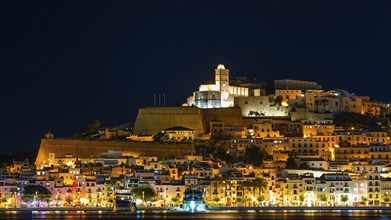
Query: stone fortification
[155, 119]
[85, 148]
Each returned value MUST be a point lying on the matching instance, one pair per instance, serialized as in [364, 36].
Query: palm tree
[365, 200]
[323, 198]
[386, 199]
[246, 185]
[218, 182]
[239, 200]
[261, 198]
[175, 200]
[301, 198]
[69, 199]
[344, 198]
[259, 184]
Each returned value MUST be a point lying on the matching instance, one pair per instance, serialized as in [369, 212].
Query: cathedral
[218, 93]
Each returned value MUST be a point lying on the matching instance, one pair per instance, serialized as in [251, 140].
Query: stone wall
[86, 148]
[156, 119]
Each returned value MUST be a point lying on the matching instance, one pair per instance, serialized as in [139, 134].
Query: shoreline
[280, 208]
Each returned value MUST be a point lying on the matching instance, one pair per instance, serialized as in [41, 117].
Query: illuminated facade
[218, 94]
[295, 84]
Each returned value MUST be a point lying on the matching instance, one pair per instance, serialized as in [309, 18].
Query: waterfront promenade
[212, 208]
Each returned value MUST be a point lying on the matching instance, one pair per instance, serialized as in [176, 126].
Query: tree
[261, 198]
[113, 184]
[385, 123]
[147, 193]
[161, 137]
[246, 185]
[47, 200]
[387, 199]
[69, 199]
[344, 198]
[364, 199]
[304, 166]
[323, 198]
[219, 181]
[3, 201]
[33, 192]
[259, 184]
[291, 163]
[93, 125]
[218, 148]
[175, 199]
[239, 200]
[278, 100]
[302, 198]
[347, 120]
[254, 155]
[216, 199]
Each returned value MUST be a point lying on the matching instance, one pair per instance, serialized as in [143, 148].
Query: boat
[123, 201]
[193, 200]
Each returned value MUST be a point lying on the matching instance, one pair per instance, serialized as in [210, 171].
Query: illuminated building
[334, 187]
[218, 94]
[180, 133]
[290, 84]
[317, 127]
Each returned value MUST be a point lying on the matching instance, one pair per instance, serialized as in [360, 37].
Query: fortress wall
[230, 116]
[88, 148]
[153, 120]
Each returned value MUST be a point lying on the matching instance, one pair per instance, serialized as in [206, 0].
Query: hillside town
[244, 142]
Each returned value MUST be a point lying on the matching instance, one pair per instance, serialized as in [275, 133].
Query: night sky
[65, 63]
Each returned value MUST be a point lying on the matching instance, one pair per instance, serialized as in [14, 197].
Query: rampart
[154, 119]
[86, 148]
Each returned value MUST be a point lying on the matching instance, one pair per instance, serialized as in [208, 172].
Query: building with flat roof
[291, 84]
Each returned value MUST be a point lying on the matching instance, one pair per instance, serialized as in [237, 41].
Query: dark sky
[65, 63]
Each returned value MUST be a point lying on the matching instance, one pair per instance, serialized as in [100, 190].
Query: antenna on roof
[159, 99]
[164, 100]
[154, 100]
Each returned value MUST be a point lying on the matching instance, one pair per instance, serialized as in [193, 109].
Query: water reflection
[231, 214]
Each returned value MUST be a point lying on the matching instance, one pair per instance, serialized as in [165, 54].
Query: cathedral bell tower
[222, 83]
[222, 78]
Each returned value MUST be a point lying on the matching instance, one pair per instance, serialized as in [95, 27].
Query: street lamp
[143, 197]
[35, 198]
[164, 198]
[15, 198]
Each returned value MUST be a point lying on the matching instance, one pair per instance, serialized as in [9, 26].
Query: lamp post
[164, 198]
[35, 198]
[15, 198]
[143, 197]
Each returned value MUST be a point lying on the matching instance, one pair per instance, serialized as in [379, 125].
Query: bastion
[86, 148]
[152, 120]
